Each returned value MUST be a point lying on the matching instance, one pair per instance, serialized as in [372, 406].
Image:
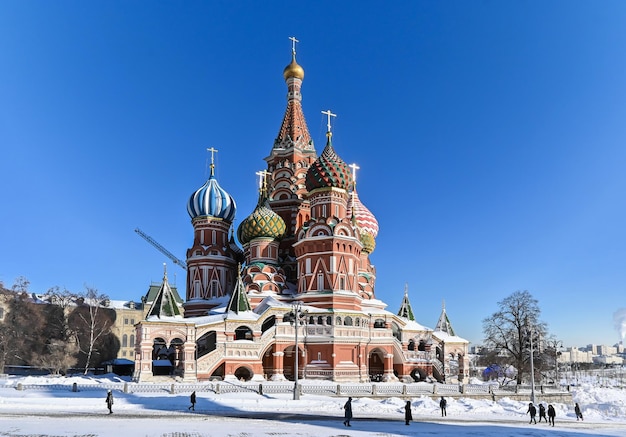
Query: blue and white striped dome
[213, 201]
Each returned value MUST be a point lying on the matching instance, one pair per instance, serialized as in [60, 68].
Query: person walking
[443, 404]
[192, 407]
[542, 413]
[109, 401]
[408, 416]
[347, 412]
[579, 414]
[533, 412]
[551, 415]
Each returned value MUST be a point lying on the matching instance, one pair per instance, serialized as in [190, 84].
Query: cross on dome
[262, 180]
[293, 44]
[354, 168]
[328, 115]
[213, 152]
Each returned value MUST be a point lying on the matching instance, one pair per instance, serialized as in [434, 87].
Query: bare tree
[511, 327]
[24, 326]
[92, 323]
[59, 357]
[5, 331]
[62, 342]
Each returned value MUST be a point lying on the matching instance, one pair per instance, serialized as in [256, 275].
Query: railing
[319, 388]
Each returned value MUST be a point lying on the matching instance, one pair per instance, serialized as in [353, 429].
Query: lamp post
[556, 344]
[296, 323]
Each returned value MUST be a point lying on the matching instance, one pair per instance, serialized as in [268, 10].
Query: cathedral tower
[212, 260]
[291, 156]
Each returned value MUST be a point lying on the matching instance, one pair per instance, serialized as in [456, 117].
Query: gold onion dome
[262, 223]
[293, 70]
[368, 241]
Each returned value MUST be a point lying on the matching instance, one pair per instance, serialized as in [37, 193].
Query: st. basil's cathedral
[304, 264]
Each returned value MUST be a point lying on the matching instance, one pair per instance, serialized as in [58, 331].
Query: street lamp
[296, 322]
[556, 344]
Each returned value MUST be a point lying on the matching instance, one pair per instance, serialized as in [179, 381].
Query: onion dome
[293, 69]
[211, 200]
[263, 222]
[329, 170]
[368, 241]
[363, 216]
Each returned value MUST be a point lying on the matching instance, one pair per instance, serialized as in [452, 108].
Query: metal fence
[318, 388]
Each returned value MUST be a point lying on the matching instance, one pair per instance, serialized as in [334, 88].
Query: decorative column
[388, 369]
[277, 364]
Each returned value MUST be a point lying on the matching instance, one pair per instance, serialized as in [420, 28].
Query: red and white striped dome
[363, 216]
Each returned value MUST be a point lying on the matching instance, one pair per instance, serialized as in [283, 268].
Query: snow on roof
[267, 303]
[414, 326]
[445, 337]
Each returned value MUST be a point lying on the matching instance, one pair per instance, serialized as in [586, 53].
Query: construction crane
[161, 249]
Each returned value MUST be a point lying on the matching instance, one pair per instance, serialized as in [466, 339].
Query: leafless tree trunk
[92, 323]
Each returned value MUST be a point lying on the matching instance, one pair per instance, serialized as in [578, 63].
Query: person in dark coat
[348, 412]
[533, 413]
[579, 414]
[542, 413]
[443, 404]
[551, 414]
[192, 407]
[109, 401]
[408, 416]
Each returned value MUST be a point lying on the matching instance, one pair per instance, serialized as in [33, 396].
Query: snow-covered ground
[48, 413]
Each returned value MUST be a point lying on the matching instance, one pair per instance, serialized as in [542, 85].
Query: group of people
[532, 410]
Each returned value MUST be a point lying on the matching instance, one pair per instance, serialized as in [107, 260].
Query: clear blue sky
[490, 135]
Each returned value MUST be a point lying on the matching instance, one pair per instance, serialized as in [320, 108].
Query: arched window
[132, 340]
[411, 345]
[395, 331]
[206, 343]
[379, 323]
[347, 321]
[268, 323]
[338, 321]
[243, 333]
[124, 340]
[320, 281]
[159, 349]
[196, 290]
[214, 288]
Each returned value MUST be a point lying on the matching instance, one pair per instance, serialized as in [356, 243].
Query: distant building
[575, 355]
[303, 271]
[608, 360]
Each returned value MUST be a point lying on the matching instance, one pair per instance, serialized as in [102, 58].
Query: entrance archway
[289, 363]
[243, 374]
[376, 365]
[419, 374]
